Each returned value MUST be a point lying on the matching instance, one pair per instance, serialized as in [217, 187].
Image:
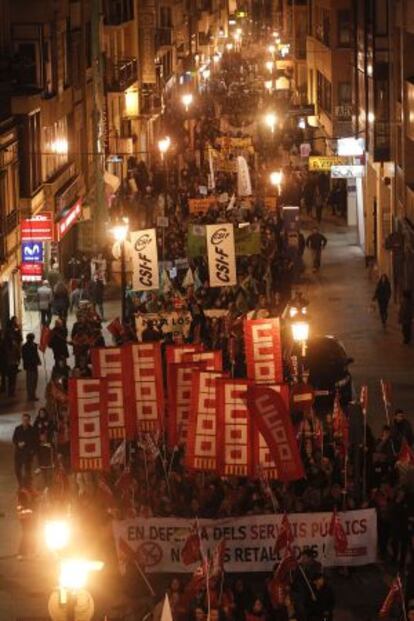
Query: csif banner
[221, 255]
[145, 260]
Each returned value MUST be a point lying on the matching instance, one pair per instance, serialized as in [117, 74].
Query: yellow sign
[201, 205]
[229, 142]
[324, 163]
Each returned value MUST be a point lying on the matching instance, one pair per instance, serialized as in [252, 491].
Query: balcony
[120, 74]
[151, 104]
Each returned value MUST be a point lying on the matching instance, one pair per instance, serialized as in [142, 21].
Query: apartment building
[329, 60]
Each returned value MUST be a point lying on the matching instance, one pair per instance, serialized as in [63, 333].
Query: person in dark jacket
[31, 360]
[316, 242]
[405, 316]
[25, 443]
[12, 347]
[61, 300]
[321, 606]
[401, 430]
[97, 295]
[57, 341]
[382, 296]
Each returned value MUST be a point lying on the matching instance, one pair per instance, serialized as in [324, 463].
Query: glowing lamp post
[300, 335]
[271, 120]
[276, 178]
[57, 534]
[187, 100]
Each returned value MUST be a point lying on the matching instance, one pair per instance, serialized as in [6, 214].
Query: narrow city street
[340, 297]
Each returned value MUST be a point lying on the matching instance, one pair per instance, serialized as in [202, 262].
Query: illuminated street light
[216, 57]
[269, 65]
[272, 49]
[120, 231]
[300, 331]
[187, 100]
[163, 146]
[57, 534]
[229, 47]
[268, 85]
[276, 179]
[60, 146]
[74, 573]
[271, 120]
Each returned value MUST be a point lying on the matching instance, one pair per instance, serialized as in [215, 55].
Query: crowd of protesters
[151, 480]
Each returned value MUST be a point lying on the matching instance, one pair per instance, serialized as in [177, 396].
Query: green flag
[247, 240]
[196, 241]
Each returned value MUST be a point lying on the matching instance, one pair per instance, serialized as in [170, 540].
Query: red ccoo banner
[263, 351]
[272, 419]
[179, 400]
[89, 434]
[106, 362]
[201, 453]
[213, 359]
[234, 447]
[143, 388]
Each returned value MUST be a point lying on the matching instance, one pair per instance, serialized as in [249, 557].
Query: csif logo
[219, 236]
[142, 242]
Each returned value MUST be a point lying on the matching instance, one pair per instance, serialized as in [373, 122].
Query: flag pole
[145, 579]
[206, 569]
[308, 584]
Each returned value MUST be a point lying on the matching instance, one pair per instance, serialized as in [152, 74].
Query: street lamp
[187, 100]
[71, 600]
[229, 47]
[276, 178]
[120, 232]
[57, 534]
[269, 85]
[271, 120]
[272, 49]
[269, 65]
[300, 334]
[163, 146]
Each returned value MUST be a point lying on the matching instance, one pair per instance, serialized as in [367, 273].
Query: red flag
[406, 454]
[44, 338]
[271, 417]
[340, 423]
[286, 565]
[217, 561]
[115, 327]
[190, 552]
[198, 579]
[107, 362]
[395, 593]
[285, 537]
[278, 591]
[336, 530]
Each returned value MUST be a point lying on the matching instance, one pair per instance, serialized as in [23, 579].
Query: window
[323, 26]
[344, 28]
[28, 64]
[324, 93]
[55, 147]
[344, 93]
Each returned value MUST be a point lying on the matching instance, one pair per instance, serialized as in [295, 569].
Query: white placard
[250, 540]
[347, 172]
[221, 255]
[145, 275]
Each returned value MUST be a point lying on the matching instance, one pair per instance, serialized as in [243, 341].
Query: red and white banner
[143, 388]
[263, 350]
[264, 464]
[271, 416]
[179, 400]
[175, 353]
[40, 227]
[106, 362]
[89, 434]
[234, 446]
[213, 359]
[201, 450]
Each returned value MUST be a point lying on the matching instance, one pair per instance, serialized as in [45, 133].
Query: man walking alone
[316, 242]
[31, 361]
[25, 442]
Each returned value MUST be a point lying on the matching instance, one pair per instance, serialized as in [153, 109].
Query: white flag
[188, 279]
[166, 614]
[244, 186]
[144, 260]
[221, 255]
[119, 457]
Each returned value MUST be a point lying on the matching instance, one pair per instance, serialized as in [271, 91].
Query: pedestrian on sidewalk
[382, 296]
[25, 443]
[61, 300]
[45, 299]
[97, 295]
[12, 347]
[405, 316]
[316, 242]
[31, 360]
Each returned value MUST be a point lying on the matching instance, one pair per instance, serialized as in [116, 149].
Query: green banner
[247, 240]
